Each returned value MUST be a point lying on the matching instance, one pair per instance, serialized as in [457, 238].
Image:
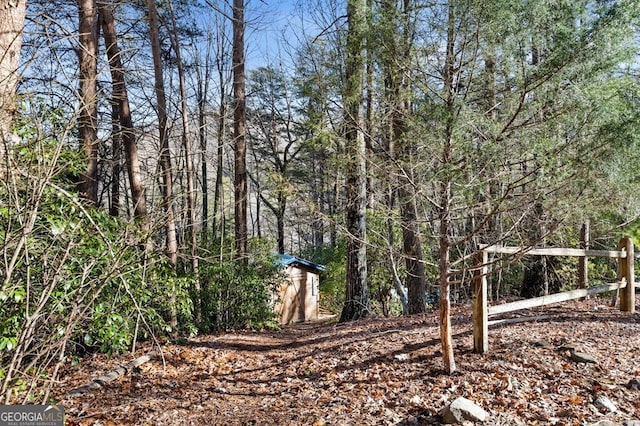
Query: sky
[275, 28]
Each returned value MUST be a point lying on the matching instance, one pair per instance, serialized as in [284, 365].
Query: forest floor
[378, 371]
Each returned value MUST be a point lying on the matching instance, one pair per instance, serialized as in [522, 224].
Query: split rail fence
[482, 312]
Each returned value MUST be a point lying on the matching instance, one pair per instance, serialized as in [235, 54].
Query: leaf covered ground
[376, 371]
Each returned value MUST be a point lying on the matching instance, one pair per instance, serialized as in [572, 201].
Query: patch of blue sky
[277, 28]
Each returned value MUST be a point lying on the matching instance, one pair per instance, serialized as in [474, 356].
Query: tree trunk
[218, 214]
[356, 303]
[281, 210]
[446, 334]
[88, 114]
[188, 155]
[399, 107]
[12, 15]
[239, 133]
[203, 91]
[165, 153]
[318, 192]
[116, 148]
[412, 247]
[121, 97]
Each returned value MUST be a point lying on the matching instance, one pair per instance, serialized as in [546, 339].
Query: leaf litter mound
[378, 371]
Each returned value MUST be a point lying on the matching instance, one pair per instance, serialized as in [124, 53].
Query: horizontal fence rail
[481, 310]
[555, 251]
[565, 296]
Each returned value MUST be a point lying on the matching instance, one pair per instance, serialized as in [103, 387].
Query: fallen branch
[120, 371]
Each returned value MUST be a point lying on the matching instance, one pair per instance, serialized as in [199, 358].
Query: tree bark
[88, 114]
[165, 153]
[12, 15]
[116, 148]
[239, 133]
[222, 59]
[412, 247]
[218, 213]
[356, 303]
[202, 96]
[113, 375]
[444, 214]
[121, 98]
[396, 21]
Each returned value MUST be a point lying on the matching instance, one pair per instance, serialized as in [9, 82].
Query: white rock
[582, 357]
[605, 404]
[462, 409]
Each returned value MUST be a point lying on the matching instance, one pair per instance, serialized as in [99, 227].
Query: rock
[604, 423]
[603, 403]
[582, 357]
[634, 384]
[462, 409]
[568, 347]
[631, 423]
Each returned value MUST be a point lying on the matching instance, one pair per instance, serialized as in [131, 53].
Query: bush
[235, 296]
[74, 278]
[332, 280]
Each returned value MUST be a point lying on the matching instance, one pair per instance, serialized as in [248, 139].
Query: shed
[299, 297]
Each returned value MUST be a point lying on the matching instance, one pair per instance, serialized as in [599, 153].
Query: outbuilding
[299, 297]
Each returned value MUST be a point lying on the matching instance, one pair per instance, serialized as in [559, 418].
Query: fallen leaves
[376, 371]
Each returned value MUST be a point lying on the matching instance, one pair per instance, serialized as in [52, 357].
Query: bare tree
[165, 153]
[239, 132]
[202, 93]
[88, 115]
[12, 15]
[116, 165]
[224, 79]
[125, 123]
[188, 154]
[276, 143]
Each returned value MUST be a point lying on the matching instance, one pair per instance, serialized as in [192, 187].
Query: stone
[634, 384]
[462, 409]
[582, 357]
[604, 404]
[631, 423]
[568, 347]
[604, 423]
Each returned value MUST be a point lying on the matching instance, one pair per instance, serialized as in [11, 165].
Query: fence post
[628, 294]
[480, 311]
[583, 263]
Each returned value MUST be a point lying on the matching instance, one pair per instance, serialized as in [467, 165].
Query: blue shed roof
[288, 259]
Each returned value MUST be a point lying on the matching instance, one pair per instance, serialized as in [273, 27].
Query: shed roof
[288, 259]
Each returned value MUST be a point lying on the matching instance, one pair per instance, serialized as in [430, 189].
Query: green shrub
[234, 296]
[332, 280]
[74, 277]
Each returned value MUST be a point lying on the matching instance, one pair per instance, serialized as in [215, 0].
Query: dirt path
[377, 371]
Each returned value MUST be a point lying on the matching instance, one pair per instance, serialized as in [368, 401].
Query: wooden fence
[481, 312]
